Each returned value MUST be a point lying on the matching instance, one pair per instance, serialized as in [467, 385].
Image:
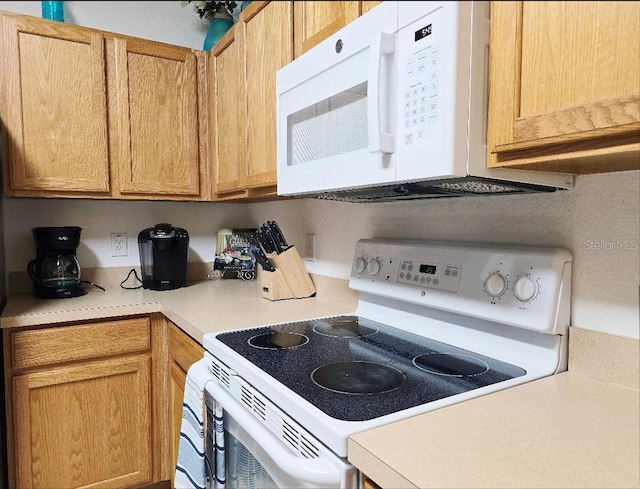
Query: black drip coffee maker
[55, 271]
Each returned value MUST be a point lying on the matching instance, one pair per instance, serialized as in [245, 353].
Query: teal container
[53, 11]
[217, 28]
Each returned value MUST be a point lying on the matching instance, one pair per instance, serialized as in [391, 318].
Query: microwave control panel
[421, 81]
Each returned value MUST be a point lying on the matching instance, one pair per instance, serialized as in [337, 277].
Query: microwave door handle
[383, 44]
[317, 471]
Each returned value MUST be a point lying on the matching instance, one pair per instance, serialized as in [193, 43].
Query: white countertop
[568, 430]
[203, 307]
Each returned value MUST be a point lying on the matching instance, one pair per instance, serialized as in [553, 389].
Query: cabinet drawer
[47, 346]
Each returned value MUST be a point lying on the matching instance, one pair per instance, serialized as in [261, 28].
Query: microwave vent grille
[436, 189]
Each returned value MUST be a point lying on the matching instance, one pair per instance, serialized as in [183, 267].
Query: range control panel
[524, 286]
[439, 276]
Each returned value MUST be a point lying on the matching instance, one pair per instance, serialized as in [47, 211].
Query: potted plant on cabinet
[219, 13]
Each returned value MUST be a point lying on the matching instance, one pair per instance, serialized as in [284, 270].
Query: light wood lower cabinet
[183, 352]
[86, 404]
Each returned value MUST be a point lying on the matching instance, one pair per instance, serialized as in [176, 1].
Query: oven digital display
[422, 33]
[430, 269]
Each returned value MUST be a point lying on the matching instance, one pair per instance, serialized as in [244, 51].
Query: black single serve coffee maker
[55, 271]
[163, 257]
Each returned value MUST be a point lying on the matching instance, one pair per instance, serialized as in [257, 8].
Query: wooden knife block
[290, 280]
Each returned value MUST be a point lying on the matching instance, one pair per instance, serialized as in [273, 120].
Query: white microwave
[394, 107]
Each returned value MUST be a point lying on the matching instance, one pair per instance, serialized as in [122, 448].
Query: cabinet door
[227, 124]
[84, 425]
[155, 118]
[266, 50]
[183, 352]
[54, 108]
[314, 21]
[564, 79]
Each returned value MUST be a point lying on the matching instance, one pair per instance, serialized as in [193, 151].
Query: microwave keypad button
[407, 104]
[408, 139]
[420, 134]
[433, 117]
[423, 109]
[423, 89]
[434, 75]
[423, 119]
[407, 95]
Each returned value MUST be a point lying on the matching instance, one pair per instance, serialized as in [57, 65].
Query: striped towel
[200, 460]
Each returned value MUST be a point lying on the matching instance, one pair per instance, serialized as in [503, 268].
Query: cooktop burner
[327, 361]
[358, 377]
[342, 327]
[276, 340]
[451, 364]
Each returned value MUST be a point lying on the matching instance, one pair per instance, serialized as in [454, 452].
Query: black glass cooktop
[355, 369]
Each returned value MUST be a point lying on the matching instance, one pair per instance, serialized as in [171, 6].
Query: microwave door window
[331, 127]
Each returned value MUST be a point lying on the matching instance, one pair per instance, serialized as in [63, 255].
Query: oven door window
[243, 468]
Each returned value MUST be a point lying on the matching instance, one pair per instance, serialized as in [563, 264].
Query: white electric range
[437, 323]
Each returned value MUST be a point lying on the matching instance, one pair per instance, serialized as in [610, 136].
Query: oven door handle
[316, 471]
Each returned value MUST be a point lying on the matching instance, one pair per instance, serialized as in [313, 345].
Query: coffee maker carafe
[163, 257]
[55, 271]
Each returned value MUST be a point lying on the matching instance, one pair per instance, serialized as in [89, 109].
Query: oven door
[335, 112]
[255, 458]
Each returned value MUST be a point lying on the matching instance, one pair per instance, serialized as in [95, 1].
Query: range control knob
[495, 284]
[359, 264]
[374, 266]
[525, 289]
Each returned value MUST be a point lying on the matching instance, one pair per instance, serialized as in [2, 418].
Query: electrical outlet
[118, 244]
[310, 252]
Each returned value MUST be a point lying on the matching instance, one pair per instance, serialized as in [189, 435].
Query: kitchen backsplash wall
[598, 221]
[99, 218]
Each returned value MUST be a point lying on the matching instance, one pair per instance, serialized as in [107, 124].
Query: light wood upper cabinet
[565, 86]
[265, 50]
[86, 404]
[314, 21]
[87, 113]
[154, 100]
[227, 120]
[54, 115]
[367, 5]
